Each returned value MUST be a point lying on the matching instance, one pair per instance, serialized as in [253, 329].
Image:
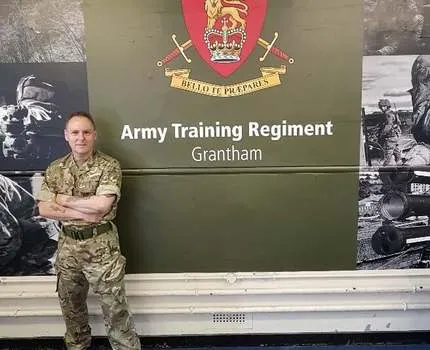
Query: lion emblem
[216, 9]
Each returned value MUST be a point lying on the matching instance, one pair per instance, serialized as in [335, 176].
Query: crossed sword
[180, 50]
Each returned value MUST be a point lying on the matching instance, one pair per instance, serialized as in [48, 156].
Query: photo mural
[298, 130]
[393, 227]
[43, 79]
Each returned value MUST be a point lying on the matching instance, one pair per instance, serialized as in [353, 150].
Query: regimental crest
[224, 33]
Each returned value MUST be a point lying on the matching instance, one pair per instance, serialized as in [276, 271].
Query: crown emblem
[225, 45]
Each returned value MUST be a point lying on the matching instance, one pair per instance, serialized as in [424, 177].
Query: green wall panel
[239, 222]
[125, 40]
[300, 216]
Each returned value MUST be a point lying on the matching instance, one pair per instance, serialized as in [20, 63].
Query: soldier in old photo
[389, 131]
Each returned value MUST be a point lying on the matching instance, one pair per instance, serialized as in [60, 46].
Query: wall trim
[236, 303]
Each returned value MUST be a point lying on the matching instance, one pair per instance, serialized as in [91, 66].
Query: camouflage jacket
[389, 126]
[99, 175]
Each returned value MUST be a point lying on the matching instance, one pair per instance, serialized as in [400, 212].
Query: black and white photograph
[394, 179]
[35, 99]
[42, 31]
[27, 241]
[44, 79]
[393, 27]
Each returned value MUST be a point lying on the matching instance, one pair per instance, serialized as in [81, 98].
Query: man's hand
[62, 199]
[56, 208]
[93, 218]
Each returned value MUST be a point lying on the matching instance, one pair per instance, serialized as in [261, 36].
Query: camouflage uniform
[389, 133]
[95, 261]
[418, 155]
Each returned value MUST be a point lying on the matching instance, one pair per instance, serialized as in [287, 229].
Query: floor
[385, 341]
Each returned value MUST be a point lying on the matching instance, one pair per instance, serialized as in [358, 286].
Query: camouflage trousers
[392, 155]
[95, 262]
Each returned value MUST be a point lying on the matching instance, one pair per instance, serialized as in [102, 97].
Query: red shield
[224, 32]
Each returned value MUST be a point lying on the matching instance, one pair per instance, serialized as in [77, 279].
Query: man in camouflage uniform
[82, 190]
[388, 133]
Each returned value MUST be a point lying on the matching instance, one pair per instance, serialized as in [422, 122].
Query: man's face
[81, 136]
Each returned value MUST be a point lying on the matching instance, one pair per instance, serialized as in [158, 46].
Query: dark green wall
[239, 222]
[293, 210]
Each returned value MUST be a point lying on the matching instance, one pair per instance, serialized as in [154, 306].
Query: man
[420, 94]
[22, 124]
[82, 190]
[388, 133]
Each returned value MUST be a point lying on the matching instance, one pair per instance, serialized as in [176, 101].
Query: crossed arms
[64, 207]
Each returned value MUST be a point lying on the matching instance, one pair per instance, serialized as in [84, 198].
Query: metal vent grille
[232, 320]
[237, 317]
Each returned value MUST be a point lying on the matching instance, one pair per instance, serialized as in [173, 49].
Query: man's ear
[66, 136]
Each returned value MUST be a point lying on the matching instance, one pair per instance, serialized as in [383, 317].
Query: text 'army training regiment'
[235, 132]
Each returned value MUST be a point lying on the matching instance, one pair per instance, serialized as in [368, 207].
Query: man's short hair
[81, 114]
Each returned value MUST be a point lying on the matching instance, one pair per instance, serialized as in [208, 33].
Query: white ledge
[236, 303]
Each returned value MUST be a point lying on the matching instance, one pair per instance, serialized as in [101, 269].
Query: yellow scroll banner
[269, 78]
